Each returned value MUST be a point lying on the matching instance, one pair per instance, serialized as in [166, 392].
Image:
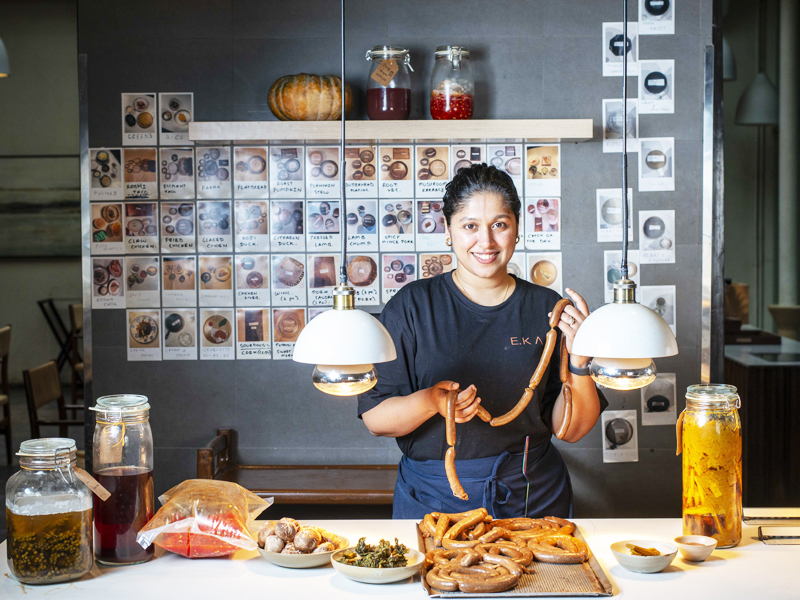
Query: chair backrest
[76, 317]
[5, 341]
[42, 385]
[5, 348]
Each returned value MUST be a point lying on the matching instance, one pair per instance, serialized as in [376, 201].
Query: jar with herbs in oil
[48, 514]
[710, 436]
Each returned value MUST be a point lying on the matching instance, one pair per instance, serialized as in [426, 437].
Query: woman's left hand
[571, 319]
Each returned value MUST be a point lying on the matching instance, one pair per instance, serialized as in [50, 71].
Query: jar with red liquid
[452, 85]
[388, 83]
[123, 464]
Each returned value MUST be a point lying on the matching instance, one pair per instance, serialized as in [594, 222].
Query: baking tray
[547, 580]
[779, 535]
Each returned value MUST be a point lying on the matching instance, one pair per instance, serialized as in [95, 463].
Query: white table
[751, 570]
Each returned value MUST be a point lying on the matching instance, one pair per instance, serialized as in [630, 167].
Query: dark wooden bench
[297, 484]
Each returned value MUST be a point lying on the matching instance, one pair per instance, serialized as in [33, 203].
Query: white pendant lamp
[344, 343]
[759, 103]
[728, 62]
[624, 337]
[5, 68]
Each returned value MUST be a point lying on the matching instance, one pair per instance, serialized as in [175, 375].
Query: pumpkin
[306, 97]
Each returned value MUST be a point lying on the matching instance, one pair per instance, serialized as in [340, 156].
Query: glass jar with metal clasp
[388, 83]
[710, 437]
[48, 514]
[452, 85]
[123, 465]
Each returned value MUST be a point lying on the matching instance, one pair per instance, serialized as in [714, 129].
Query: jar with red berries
[452, 85]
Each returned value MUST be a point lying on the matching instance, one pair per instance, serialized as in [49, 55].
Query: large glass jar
[48, 514]
[388, 83]
[452, 86]
[711, 439]
[123, 464]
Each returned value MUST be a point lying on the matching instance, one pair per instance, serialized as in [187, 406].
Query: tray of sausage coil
[473, 555]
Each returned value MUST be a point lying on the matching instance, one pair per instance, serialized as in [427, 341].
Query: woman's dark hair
[480, 178]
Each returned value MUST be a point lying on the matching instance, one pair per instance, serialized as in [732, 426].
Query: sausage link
[458, 544]
[469, 557]
[490, 585]
[495, 534]
[567, 419]
[477, 531]
[428, 525]
[451, 417]
[563, 360]
[466, 522]
[514, 412]
[547, 353]
[452, 476]
[562, 523]
[441, 526]
[504, 562]
[555, 316]
[435, 580]
[483, 414]
[459, 516]
[515, 524]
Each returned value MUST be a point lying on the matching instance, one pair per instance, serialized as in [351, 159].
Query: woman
[480, 330]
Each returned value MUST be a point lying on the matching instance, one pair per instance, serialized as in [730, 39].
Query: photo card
[180, 333]
[177, 173]
[106, 167]
[620, 436]
[139, 119]
[176, 110]
[253, 338]
[108, 282]
[216, 334]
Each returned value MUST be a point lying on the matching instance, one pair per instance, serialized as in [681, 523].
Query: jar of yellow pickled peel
[710, 435]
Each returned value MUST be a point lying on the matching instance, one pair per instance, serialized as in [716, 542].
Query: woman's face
[483, 233]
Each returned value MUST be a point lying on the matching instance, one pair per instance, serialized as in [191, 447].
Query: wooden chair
[43, 386]
[75, 360]
[5, 401]
[298, 484]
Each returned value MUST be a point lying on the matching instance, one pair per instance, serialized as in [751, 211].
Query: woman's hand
[467, 401]
[570, 322]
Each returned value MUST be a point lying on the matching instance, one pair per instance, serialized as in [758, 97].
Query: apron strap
[495, 492]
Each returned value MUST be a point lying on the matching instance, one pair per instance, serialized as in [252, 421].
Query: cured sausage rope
[527, 395]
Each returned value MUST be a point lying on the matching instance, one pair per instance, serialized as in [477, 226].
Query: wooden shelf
[545, 130]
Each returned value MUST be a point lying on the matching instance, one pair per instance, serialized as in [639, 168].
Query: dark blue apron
[495, 483]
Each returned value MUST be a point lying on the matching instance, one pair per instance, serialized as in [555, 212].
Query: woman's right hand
[466, 404]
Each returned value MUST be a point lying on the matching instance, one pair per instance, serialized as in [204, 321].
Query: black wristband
[576, 371]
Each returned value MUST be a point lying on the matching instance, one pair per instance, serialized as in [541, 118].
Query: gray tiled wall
[532, 59]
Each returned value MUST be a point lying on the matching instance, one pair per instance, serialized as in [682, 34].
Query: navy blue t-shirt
[441, 335]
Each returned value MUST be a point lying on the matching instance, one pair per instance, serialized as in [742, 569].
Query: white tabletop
[751, 570]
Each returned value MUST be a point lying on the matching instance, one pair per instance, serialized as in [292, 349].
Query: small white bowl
[696, 548]
[644, 564]
[373, 575]
[303, 561]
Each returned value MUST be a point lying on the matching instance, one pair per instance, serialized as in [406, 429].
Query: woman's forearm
[400, 415]
[585, 408]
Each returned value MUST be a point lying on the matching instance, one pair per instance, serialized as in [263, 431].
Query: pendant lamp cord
[625, 215]
[342, 171]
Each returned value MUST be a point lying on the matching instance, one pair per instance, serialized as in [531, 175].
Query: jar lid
[386, 51]
[126, 404]
[48, 453]
[451, 51]
[714, 394]
[46, 446]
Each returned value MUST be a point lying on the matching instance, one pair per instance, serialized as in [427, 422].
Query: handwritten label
[284, 350]
[92, 484]
[253, 350]
[385, 72]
